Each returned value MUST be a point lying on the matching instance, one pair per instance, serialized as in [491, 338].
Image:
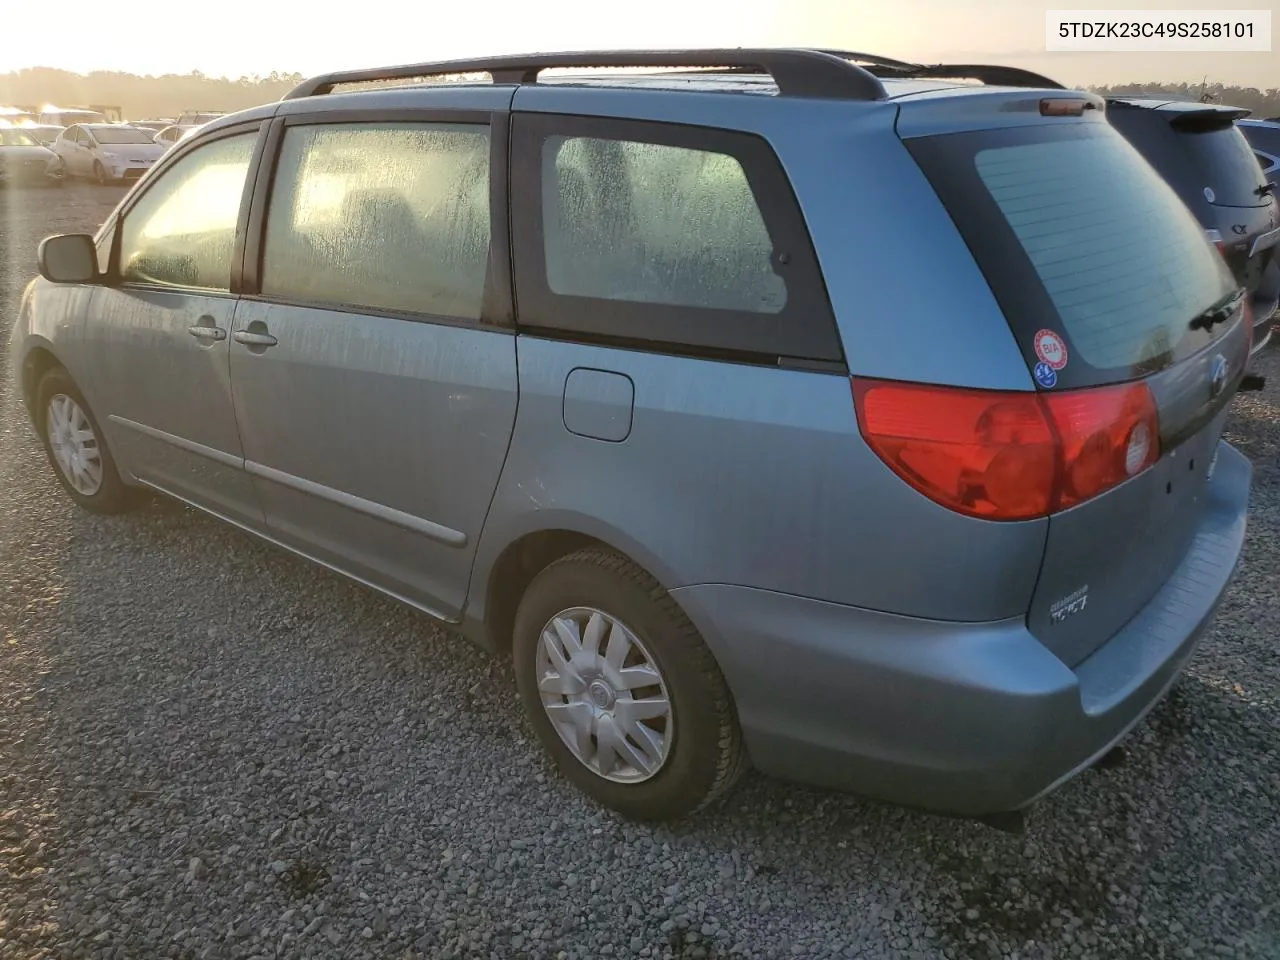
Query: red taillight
[1107, 435]
[1009, 456]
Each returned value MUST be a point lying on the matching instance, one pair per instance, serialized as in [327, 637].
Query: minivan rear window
[1228, 166]
[1089, 252]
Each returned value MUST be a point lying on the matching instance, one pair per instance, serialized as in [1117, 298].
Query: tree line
[143, 97]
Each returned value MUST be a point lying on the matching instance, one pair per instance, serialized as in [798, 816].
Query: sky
[258, 36]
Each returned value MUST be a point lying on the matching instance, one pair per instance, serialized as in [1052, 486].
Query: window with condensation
[666, 236]
[656, 224]
[181, 232]
[387, 216]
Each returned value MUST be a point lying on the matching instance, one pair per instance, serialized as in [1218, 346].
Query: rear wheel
[622, 691]
[73, 442]
[100, 173]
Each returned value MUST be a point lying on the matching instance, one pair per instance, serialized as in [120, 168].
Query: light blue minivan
[798, 408]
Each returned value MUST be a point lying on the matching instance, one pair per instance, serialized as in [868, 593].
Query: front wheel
[622, 691]
[73, 442]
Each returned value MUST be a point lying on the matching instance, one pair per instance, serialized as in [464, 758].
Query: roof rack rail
[797, 72]
[872, 59]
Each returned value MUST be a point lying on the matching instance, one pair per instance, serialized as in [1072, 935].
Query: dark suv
[1197, 148]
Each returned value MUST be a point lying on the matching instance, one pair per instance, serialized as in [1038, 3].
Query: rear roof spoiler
[1202, 121]
[1185, 114]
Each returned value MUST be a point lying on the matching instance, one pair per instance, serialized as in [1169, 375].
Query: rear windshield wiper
[1266, 188]
[1218, 313]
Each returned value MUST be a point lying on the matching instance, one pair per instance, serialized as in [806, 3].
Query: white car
[107, 151]
[45, 134]
[153, 125]
[174, 133]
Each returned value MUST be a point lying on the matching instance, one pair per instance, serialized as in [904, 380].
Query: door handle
[201, 332]
[254, 339]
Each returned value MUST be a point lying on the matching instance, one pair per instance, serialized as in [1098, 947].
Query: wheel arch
[38, 359]
[507, 564]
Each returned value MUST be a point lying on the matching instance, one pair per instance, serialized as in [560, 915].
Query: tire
[109, 495]
[703, 755]
[100, 174]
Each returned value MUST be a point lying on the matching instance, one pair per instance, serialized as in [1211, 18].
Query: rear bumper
[967, 718]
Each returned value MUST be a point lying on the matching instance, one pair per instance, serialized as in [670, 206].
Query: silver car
[24, 160]
[814, 411]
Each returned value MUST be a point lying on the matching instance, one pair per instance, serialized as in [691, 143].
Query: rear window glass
[1078, 236]
[1230, 170]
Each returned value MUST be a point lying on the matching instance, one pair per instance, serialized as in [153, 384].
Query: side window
[651, 223]
[388, 216]
[681, 236]
[181, 233]
[1265, 162]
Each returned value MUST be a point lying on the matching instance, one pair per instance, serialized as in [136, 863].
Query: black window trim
[497, 308]
[805, 330]
[155, 175]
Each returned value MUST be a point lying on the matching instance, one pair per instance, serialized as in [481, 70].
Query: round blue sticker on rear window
[1045, 375]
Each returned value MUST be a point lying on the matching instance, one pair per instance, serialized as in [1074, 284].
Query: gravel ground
[211, 749]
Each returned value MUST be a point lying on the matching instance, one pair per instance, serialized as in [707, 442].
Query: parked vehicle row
[642, 379]
[89, 146]
[24, 160]
[1200, 151]
[107, 151]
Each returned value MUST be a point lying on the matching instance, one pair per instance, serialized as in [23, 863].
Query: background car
[107, 151]
[24, 160]
[44, 133]
[173, 133]
[1201, 153]
[153, 125]
[1264, 137]
[198, 118]
[65, 116]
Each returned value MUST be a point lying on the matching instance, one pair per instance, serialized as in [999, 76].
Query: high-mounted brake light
[1005, 455]
[1064, 108]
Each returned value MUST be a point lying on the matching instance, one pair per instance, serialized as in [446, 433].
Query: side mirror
[68, 258]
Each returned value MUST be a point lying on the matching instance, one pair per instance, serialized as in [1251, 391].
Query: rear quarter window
[678, 238]
[1078, 235]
